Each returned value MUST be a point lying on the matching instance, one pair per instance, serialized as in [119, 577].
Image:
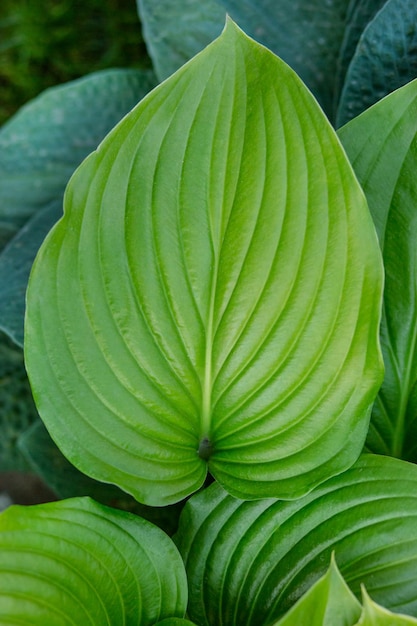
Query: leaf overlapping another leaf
[212, 291]
[381, 144]
[78, 562]
[248, 563]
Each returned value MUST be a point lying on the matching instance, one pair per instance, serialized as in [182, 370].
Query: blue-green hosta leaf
[385, 58]
[327, 603]
[248, 562]
[16, 261]
[210, 300]
[375, 615]
[43, 143]
[381, 144]
[78, 562]
[359, 14]
[310, 35]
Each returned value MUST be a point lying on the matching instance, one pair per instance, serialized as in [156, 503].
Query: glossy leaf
[249, 562]
[78, 562]
[314, 37]
[375, 615]
[327, 603]
[385, 58]
[211, 298]
[17, 409]
[381, 145]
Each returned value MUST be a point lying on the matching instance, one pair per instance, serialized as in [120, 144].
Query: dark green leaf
[78, 562]
[17, 409]
[45, 141]
[211, 298]
[307, 34]
[15, 263]
[381, 144]
[248, 562]
[360, 13]
[385, 58]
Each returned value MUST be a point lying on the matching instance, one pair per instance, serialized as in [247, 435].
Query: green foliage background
[49, 42]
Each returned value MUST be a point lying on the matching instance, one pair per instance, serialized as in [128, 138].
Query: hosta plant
[209, 307]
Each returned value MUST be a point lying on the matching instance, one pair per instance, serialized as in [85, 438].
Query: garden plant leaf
[15, 264]
[384, 60]
[316, 38]
[40, 147]
[43, 143]
[248, 562]
[47, 461]
[375, 615]
[381, 145]
[78, 562]
[328, 602]
[211, 299]
[17, 409]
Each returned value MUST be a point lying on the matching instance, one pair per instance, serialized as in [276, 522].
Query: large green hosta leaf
[381, 144]
[211, 298]
[78, 562]
[248, 562]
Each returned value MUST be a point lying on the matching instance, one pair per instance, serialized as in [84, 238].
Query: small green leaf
[248, 563]
[385, 59]
[375, 615]
[381, 146]
[328, 602]
[211, 299]
[78, 562]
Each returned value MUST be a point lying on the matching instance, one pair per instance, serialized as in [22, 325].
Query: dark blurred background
[48, 42]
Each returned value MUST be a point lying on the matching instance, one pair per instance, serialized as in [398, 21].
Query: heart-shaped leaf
[327, 603]
[385, 58]
[211, 298]
[249, 562]
[381, 145]
[78, 562]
